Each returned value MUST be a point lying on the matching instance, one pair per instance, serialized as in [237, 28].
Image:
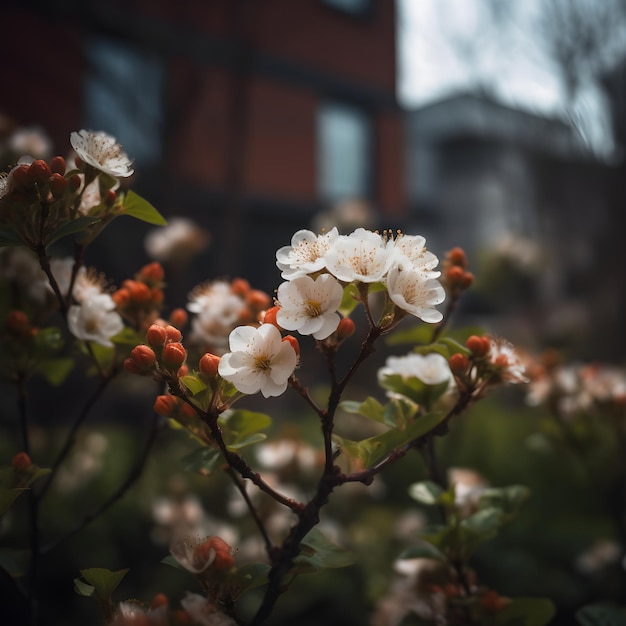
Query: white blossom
[310, 306]
[87, 283]
[431, 369]
[362, 256]
[204, 613]
[411, 250]
[185, 551]
[259, 360]
[503, 354]
[181, 239]
[306, 254]
[95, 320]
[102, 151]
[414, 291]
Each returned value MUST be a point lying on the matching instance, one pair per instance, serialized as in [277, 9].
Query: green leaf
[423, 550]
[481, 526]
[172, 562]
[426, 492]
[249, 576]
[317, 552]
[193, 384]
[413, 388]
[508, 499]
[370, 408]
[48, 341]
[10, 238]
[601, 615]
[104, 581]
[350, 300]
[55, 371]
[127, 337]
[371, 451]
[203, 460]
[14, 562]
[399, 412]
[240, 427]
[69, 228]
[444, 538]
[14, 483]
[454, 346]
[420, 334]
[82, 588]
[527, 612]
[139, 208]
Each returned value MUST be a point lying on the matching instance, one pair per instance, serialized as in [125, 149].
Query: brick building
[248, 115]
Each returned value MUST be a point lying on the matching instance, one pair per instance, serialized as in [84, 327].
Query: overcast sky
[450, 45]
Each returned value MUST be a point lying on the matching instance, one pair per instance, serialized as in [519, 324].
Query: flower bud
[209, 364]
[57, 165]
[110, 198]
[269, 316]
[223, 559]
[39, 172]
[139, 292]
[458, 363]
[152, 274]
[454, 274]
[74, 182]
[179, 318]
[258, 299]
[173, 356]
[294, 343]
[345, 329]
[158, 601]
[156, 336]
[240, 287]
[143, 356]
[21, 462]
[58, 185]
[131, 367]
[20, 177]
[468, 279]
[181, 618]
[480, 346]
[456, 256]
[173, 334]
[121, 297]
[165, 405]
[18, 324]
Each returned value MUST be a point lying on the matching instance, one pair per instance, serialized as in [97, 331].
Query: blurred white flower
[310, 306]
[31, 140]
[204, 613]
[415, 292]
[87, 284]
[95, 320]
[362, 256]
[21, 266]
[259, 360]
[504, 355]
[431, 369]
[101, 151]
[469, 486]
[306, 253]
[178, 242]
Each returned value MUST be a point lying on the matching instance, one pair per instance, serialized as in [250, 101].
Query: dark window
[123, 96]
[344, 148]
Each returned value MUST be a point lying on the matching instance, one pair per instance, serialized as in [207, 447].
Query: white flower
[431, 369]
[503, 355]
[102, 152]
[95, 319]
[416, 292]
[204, 613]
[411, 250]
[32, 140]
[87, 284]
[306, 253]
[21, 266]
[362, 256]
[310, 306]
[259, 360]
[181, 239]
[186, 550]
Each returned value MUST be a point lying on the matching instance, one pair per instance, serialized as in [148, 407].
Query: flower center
[262, 363]
[313, 308]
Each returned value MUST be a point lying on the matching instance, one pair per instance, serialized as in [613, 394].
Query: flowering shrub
[344, 294]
